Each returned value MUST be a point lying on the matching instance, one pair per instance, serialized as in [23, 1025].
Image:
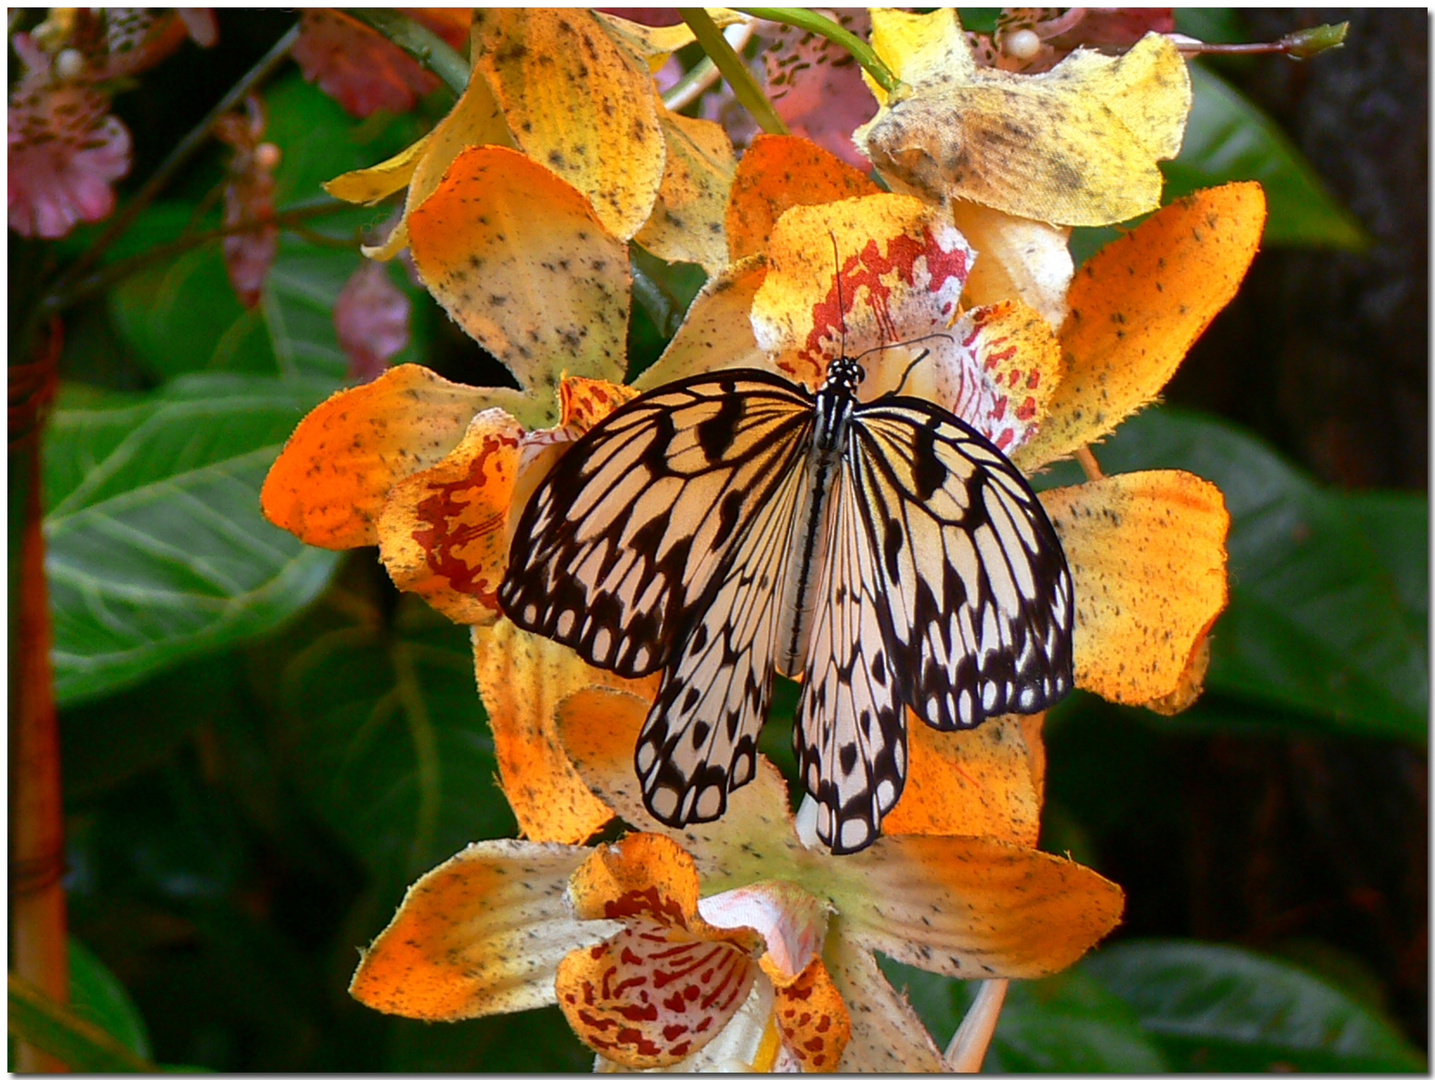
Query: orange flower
[726, 943]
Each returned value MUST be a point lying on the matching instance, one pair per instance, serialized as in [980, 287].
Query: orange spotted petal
[902, 267]
[1148, 561]
[982, 782]
[813, 1019]
[444, 531]
[778, 172]
[1136, 307]
[480, 934]
[522, 678]
[335, 473]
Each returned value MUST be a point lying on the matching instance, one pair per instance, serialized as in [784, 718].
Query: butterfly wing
[627, 540]
[979, 602]
[700, 739]
[850, 735]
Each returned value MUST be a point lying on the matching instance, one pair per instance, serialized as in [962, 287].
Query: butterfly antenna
[910, 341]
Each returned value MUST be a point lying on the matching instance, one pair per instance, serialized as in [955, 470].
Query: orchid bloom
[726, 943]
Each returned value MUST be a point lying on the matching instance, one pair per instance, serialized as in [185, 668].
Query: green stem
[820, 24]
[749, 94]
[418, 41]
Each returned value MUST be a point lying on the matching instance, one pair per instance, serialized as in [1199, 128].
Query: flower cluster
[740, 941]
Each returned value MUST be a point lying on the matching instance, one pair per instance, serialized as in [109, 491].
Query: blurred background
[263, 744]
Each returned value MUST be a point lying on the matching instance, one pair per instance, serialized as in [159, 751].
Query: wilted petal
[778, 172]
[336, 471]
[480, 934]
[518, 258]
[854, 275]
[443, 533]
[1136, 307]
[371, 319]
[522, 678]
[974, 907]
[1077, 145]
[579, 104]
[1148, 561]
[887, 1036]
[982, 782]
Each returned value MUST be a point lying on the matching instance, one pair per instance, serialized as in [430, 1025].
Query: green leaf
[1229, 138]
[51, 1027]
[97, 996]
[1064, 1023]
[155, 547]
[1327, 611]
[392, 745]
[1219, 1008]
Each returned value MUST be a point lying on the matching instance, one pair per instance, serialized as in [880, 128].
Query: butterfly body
[732, 526]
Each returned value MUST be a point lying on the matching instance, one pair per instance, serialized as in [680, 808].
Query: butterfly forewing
[632, 531]
[979, 613]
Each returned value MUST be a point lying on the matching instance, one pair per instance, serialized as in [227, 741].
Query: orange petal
[898, 266]
[583, 402]
[519, 260]
[1077, 145]
[1148, 561]
[687, 220]
[887, 1036]
[480, 934]
[980, 782]
[337, 469]
[813, 1019]
[778, 172]
[522, 677]
[1136, 307]
[443, 533]
[577, 102]
[974, 907]
[667, 983]
[717, 330]
[1016, 258]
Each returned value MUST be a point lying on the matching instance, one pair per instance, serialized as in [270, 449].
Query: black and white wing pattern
[927, 576]
[946, 591]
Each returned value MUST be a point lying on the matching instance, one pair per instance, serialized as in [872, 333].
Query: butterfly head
[844, 375]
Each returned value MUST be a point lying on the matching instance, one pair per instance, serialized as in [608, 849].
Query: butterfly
[730, 526]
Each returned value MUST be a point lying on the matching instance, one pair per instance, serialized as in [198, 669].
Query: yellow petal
[1148, 562]
[898, 266]
[919, 48]
[1136, 307]
[973, 907]
[522, 677]
[980, 782]
[717, 330]
[480, 934]
[656, 42]
[578, 103]
[337, 469]
[518, 258]
[1016, 258]
[443, 533]
[887, 1036]
[687, 220]
[1076, 145]
[776, 173]
[373, 183]
[813, 1019]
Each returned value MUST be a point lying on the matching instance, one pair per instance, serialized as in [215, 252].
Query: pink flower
[65, 149]
[356, 67]
[249, 201]
[371, 318]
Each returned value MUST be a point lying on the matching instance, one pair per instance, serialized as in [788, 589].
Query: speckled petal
[480, 934]
[887, 1036]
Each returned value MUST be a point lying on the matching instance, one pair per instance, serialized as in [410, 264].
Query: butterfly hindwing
[633, 530]
[979, 599]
